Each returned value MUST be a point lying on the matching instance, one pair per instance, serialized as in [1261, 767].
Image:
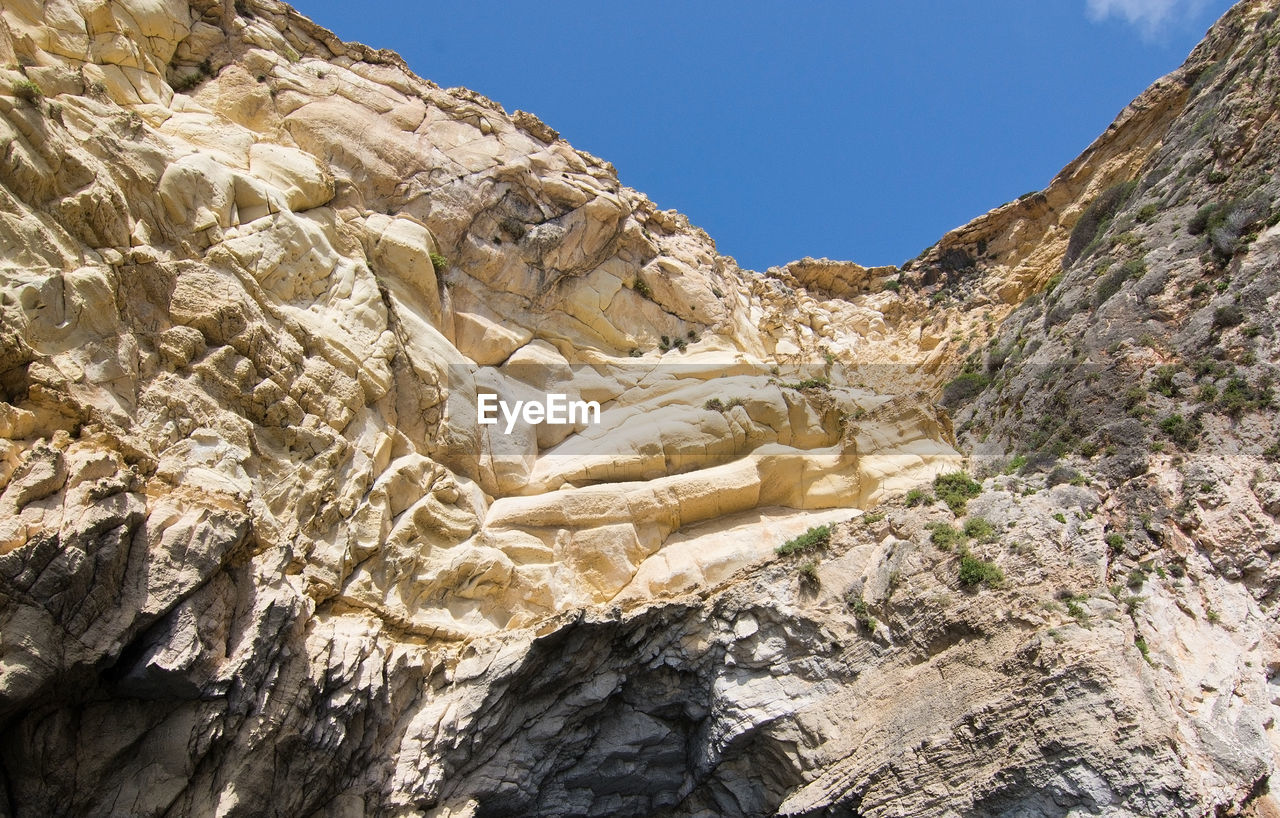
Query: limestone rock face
[257, 546]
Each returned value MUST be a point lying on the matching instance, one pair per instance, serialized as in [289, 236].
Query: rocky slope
[257, 555]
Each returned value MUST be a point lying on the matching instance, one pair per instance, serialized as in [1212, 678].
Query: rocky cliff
[259, 556]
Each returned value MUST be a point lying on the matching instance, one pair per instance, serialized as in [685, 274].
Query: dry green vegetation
[956, 489]
[918, 497]
[974, 572]
[815, 538]
[979, 528]
[809, 383]
[946, 537]
[28, 92]
[1094, 221]
[808, 572]
[717, 405]
[861, 612]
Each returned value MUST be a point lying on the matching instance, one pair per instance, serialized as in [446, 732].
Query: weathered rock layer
[257, 554]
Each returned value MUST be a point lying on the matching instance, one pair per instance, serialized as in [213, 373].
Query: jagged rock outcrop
[288, 285]
[258, 555]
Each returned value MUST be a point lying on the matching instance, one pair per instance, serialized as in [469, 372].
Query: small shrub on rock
[974, 572]
[1237, 397]
[817, 537]
[956, 489]
[946, 537]
[1061, 475]
[1227, 316]
[962, 390]
[1163, 383]
[1094, 220]
[980, 528]
[1184, 432]
[918, 497]
[1115, 279]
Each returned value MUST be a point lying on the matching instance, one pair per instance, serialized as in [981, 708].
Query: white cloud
[1150, 16]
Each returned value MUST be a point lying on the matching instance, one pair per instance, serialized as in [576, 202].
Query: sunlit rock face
[260, 550]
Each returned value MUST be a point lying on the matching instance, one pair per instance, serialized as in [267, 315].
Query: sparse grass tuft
[717, 405]
[439, 263]
[1076, 610]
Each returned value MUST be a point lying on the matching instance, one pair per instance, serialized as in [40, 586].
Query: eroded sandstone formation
[258, 556]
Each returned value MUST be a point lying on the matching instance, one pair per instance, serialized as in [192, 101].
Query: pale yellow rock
[300, 177]
[284, 335]
[708, 553]
[486, 341]
[402, 248]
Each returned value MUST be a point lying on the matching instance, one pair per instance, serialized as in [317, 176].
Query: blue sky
[854, 130]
